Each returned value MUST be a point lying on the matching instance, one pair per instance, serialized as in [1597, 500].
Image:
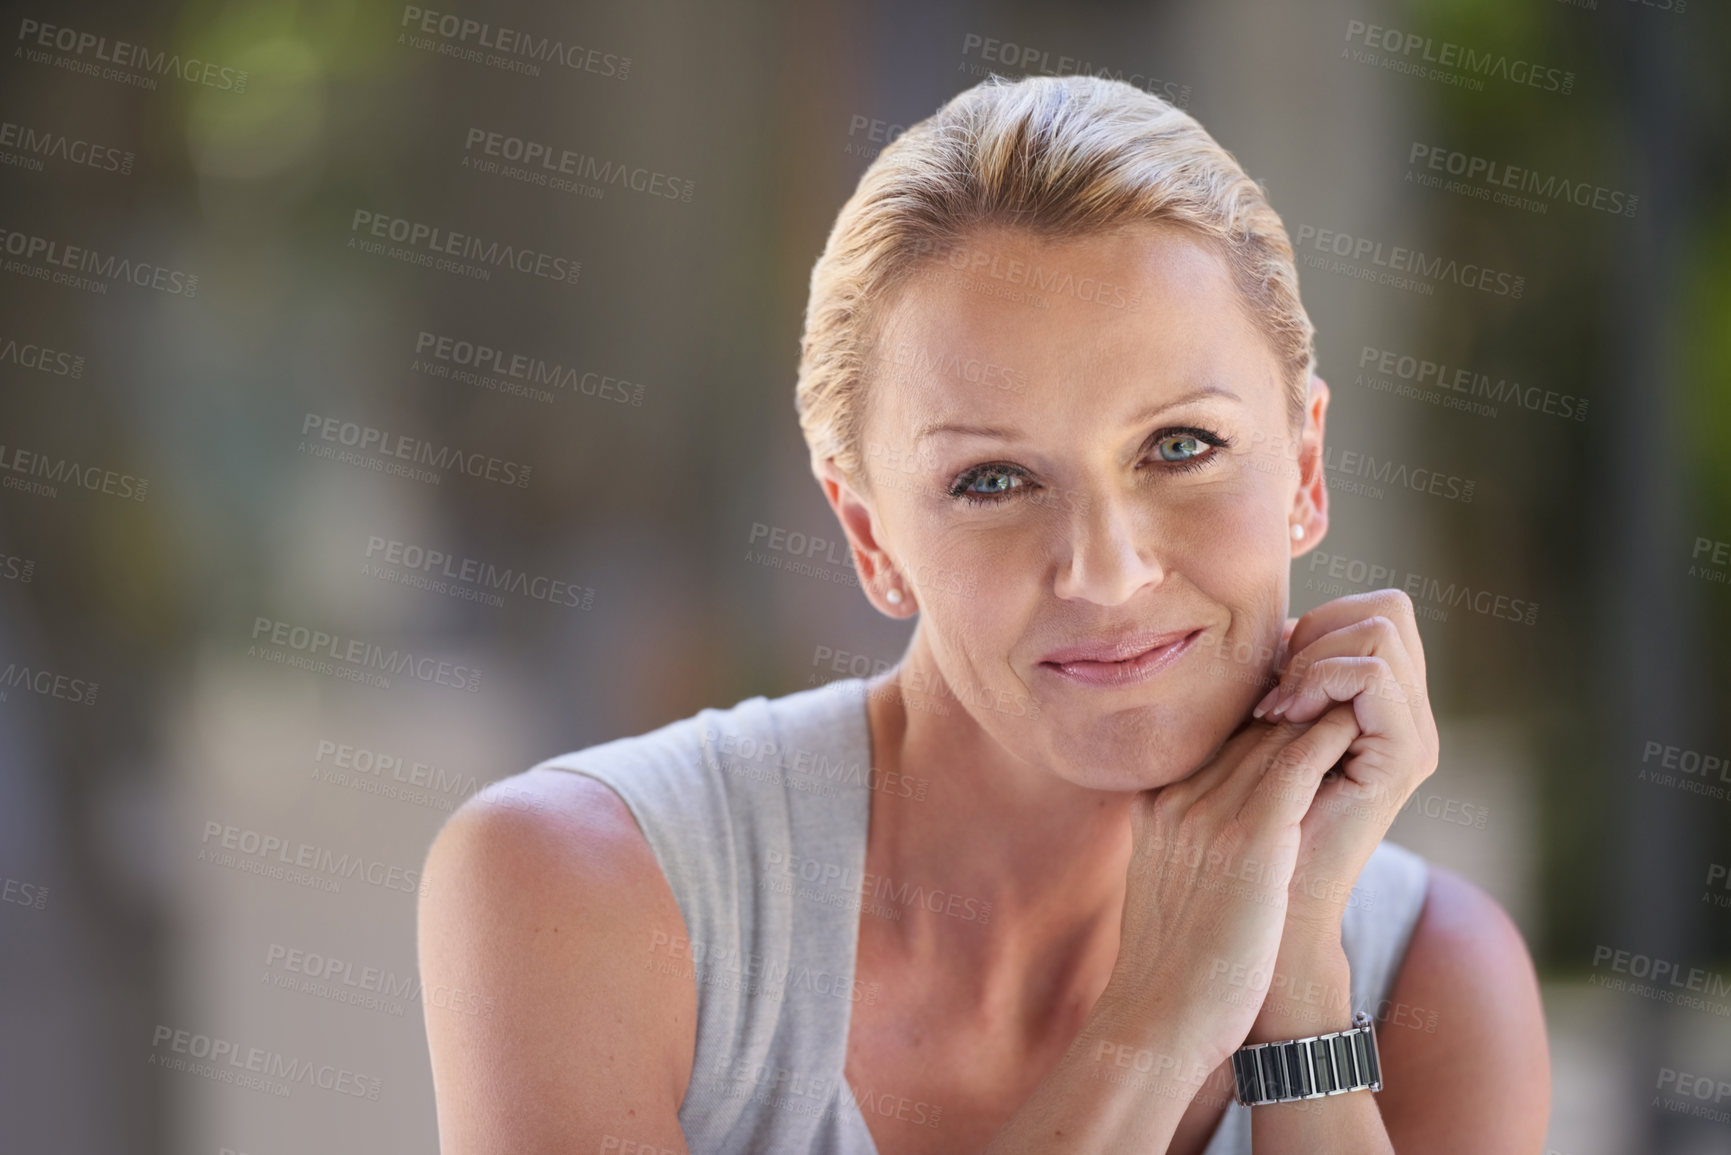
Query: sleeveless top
[757, 815]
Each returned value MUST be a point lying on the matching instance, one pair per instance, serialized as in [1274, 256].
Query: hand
[1208, 882]
[1362, 649]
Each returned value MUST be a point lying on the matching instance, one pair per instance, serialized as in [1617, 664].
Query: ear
[1310, 503]
[878, 573]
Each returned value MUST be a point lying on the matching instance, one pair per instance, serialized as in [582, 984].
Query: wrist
[1310, 993]
[1158, 1016]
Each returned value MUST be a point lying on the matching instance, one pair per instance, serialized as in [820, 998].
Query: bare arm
[1462, 1038]
[542, 904]
[1469, 1066]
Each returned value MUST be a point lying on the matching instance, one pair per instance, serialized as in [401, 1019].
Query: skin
[1038, 785]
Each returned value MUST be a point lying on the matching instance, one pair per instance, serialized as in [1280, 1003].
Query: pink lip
[1115, 664]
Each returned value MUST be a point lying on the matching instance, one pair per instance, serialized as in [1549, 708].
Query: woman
[1113, 816]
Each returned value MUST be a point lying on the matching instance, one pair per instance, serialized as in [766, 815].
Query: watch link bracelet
[1311, 1068]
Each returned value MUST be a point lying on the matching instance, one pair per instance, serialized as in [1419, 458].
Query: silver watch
[1312, 1068]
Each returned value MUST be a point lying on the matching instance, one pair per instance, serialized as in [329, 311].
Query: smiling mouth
[1135, 668]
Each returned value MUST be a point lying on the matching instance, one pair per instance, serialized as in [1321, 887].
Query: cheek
[1234, 545]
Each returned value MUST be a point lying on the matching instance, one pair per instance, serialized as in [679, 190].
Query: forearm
[1311, 995]
[1122, 1086]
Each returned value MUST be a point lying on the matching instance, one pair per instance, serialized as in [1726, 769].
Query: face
[1083, 472]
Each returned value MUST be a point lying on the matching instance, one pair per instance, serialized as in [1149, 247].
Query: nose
[1111, 551]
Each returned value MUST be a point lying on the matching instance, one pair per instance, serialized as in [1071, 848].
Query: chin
[1140, 748]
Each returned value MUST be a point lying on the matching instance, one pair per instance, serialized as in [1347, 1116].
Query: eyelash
[959, 488]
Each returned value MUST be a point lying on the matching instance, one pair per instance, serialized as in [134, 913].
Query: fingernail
[1262, 706]
[1281, 704]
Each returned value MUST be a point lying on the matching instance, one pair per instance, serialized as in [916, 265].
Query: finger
[1376, 636]
[1285, 643]
[1379, 700]
[1366, 665]
[1381, 779]
[1392, 604]
[1294, 769]
[1390, 745]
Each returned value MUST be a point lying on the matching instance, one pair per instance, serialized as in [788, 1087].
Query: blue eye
[1177, 450]
[999, 481]
[1179, 447]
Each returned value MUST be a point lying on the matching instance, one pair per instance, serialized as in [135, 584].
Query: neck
[1049, 856]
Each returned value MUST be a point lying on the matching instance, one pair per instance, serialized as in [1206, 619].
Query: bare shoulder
[1465, 1055]
[548, 1021]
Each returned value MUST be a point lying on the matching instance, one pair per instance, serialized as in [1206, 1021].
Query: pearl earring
[1297, 532]
[894, 595]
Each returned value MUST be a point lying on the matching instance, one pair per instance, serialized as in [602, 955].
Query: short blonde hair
[1062, 157]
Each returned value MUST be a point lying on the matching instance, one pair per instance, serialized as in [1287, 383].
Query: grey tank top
[757, 815]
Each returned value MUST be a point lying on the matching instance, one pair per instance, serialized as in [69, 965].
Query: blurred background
[392, 397]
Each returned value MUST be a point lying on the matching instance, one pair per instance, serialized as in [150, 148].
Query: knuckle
[1192, 827]
[1399, 602]
[1167, 811]
[1290, 760]
[1384, 625]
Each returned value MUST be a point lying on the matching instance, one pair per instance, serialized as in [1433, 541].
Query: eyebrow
[932, 429]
